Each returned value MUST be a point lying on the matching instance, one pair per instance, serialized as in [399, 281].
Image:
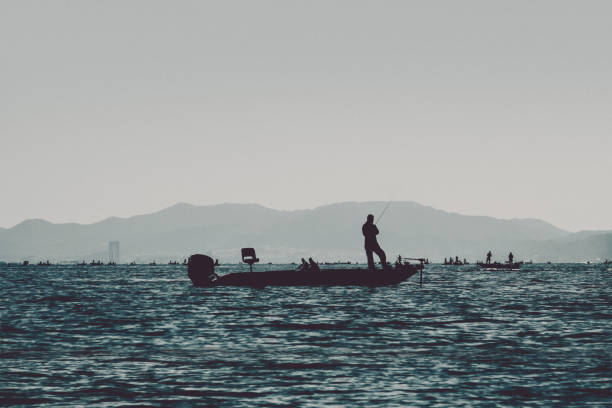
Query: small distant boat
[498, 265]
[455, 262]
[508, 265]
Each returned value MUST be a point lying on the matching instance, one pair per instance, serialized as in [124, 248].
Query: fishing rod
[382, 213]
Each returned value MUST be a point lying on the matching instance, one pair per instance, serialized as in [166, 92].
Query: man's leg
[370, 257]
[381, 255]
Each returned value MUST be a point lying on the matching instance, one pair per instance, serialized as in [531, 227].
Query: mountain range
[327, 233]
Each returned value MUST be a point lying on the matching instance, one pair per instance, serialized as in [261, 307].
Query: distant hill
[581, 246]
[331, 232]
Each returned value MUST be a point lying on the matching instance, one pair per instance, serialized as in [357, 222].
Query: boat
[508, 265]
[455, 262]
[200, 270]
[498, 265]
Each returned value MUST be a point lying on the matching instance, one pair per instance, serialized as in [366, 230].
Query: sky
[117, 108]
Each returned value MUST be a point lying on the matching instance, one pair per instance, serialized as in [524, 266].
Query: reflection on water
[143, 335]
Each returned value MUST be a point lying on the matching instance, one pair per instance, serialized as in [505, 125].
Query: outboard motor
[201, 270]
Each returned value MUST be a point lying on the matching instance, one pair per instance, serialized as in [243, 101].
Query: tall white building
[113, 252]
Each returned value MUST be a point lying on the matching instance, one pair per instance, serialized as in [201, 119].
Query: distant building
[113, 252]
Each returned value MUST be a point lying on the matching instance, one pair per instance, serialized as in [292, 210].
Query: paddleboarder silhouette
[370, 230]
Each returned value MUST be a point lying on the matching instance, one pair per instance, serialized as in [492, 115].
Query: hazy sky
[500, 108]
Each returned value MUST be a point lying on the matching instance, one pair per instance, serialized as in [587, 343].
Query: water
[142, 335]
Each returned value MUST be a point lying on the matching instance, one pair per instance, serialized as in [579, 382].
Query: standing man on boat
[370, 231]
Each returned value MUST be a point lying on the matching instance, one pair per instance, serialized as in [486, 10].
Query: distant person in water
[370, 231]
[489, 254]
[510, 257]
[314, 267]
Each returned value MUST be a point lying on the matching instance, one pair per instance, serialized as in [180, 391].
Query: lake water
[143, 335]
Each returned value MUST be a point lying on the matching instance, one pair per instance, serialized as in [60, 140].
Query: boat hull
[497, 265]
[325, 277]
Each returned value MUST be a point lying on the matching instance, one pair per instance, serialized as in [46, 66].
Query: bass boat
[201, 271]
[498, 265]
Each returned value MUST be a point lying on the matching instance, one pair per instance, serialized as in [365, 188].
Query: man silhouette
[370, 231]
[489, 254]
